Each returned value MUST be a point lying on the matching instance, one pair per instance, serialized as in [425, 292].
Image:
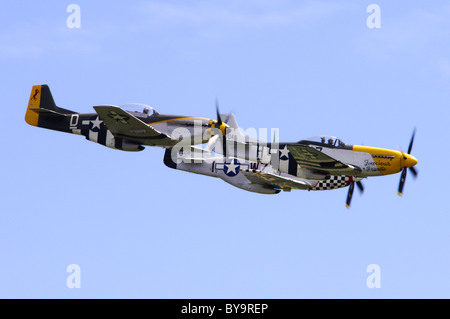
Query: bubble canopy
[138, 108]
[324, 140]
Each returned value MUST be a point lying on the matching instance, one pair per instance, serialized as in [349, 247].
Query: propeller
[224, 135]
[350, 191]
[414, 172]
[408, 162]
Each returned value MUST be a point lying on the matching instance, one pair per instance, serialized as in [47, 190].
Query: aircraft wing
[123, 124]
[314, 159]
[277, 181]
[48, 112]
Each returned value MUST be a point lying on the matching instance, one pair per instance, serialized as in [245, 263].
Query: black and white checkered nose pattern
[333, 182]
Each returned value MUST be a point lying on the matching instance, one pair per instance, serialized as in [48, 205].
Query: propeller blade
[224, 145]
[402, 182]
[219, 119]
[360, 186]
[411, 142]
[404, 171]
[350, 194]
[413, 171]
[219, 124]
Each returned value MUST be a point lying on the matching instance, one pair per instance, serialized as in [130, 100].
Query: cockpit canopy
[139, 110]
[324, 140]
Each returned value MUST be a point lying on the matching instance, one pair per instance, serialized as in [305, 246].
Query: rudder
[32, 117]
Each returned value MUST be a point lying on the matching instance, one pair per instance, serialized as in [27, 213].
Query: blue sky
[138, 229]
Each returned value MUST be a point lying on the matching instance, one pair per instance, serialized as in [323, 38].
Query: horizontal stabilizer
[48, 112]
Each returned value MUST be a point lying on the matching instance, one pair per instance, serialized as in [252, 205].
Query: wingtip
[400, 194]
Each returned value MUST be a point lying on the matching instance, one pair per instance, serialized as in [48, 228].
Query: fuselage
[366, 161]
[369, 161]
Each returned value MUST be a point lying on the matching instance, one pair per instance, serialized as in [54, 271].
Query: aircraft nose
[409, 160]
